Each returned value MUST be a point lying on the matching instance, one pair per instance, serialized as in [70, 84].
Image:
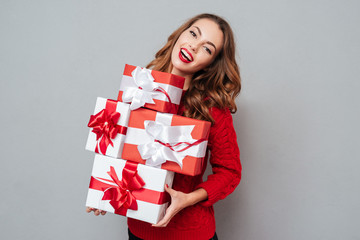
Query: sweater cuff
[211, 192]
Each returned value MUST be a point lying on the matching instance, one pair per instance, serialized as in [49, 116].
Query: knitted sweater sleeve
[224, 158]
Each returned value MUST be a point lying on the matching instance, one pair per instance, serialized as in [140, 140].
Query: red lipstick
[185, 55]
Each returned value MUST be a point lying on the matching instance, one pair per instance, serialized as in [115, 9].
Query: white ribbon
[145, 90]
[156, 153]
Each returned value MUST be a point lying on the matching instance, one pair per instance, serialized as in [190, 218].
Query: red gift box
[151, 89]
[169, 141]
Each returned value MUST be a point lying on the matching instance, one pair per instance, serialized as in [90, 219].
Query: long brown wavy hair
[215, 86]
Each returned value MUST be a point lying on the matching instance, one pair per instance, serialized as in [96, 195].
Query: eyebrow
[208, 42]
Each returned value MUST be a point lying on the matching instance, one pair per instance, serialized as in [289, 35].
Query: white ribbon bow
[145, 90]
[156, 153]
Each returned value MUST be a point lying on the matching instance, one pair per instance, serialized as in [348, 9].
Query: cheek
[205, 60]
[181, 40]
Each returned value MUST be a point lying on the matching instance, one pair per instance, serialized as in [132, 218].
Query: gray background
[297, 122]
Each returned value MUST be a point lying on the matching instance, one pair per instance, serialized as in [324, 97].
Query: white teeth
[186, 55]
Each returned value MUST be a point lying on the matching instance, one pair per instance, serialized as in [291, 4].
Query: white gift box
[151, 198]
[101, 142]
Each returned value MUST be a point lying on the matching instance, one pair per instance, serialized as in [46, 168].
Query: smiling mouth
[185, 55]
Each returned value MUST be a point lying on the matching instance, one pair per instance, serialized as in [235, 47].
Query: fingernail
[166, 185]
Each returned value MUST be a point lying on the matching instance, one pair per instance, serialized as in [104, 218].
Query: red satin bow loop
[105, 126]
[121, 196]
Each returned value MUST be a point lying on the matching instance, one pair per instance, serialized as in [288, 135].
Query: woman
[203, 51]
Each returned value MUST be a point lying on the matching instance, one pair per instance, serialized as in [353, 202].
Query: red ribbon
[120, 196]
[104, 125]
[189, 145]
[123, 196]
[160, 89]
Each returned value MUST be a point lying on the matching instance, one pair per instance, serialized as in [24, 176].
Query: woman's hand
[179, 201]
[97, 212]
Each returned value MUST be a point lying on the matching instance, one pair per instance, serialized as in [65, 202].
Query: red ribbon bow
[120, 196]
[125, 193]
[105, 126]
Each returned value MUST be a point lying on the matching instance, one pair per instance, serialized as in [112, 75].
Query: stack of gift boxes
[139, 142]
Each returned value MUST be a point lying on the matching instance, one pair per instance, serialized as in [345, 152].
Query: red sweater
[198, 222]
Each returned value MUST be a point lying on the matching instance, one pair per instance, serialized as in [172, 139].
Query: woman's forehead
[209, 30]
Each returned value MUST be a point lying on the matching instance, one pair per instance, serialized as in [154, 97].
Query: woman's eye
[208, 50]
[193, 33]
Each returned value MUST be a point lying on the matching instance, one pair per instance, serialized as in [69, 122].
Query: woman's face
[196, 47]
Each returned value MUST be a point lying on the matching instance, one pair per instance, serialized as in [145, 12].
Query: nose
[193, 46]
